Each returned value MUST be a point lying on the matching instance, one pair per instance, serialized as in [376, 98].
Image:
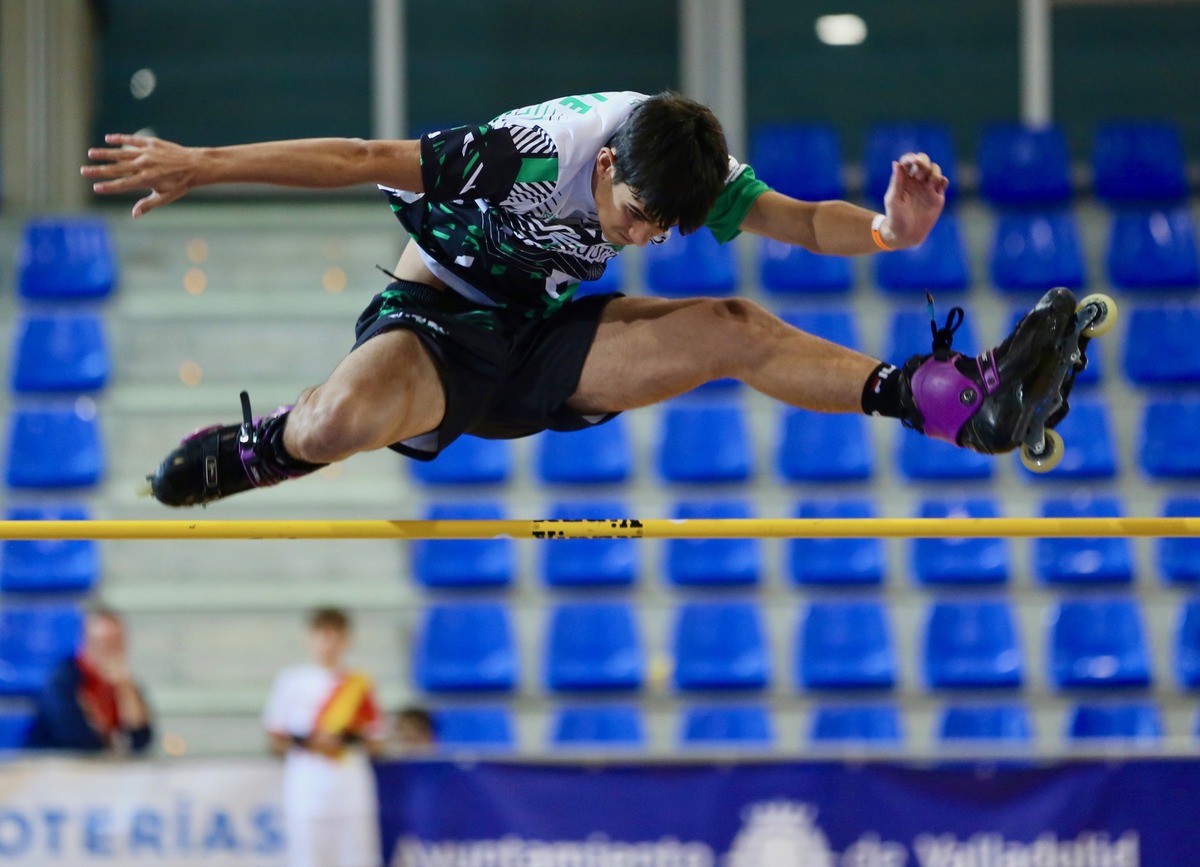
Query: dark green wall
[240, 70]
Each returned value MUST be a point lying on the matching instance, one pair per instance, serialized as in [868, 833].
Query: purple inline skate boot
[1011, 396]
[218, 461]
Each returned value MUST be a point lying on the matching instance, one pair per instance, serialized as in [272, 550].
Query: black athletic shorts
[505, 375]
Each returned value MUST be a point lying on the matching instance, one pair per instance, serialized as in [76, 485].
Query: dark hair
[671, 153]
[419, 717]
[329, 618]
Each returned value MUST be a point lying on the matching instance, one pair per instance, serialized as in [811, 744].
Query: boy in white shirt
[324, 720]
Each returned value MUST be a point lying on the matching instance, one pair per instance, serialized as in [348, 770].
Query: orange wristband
[876, 237]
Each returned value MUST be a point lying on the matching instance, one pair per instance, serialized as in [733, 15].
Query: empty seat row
[839, 645]
[1146, 249]
[750, 725]
[1019, 164]
[808, 562]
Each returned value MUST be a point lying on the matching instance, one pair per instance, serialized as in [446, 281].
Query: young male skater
[479, 332]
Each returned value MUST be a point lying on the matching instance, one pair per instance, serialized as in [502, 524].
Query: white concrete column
[1036, 62]
[712, 55]
[46, 93]
[389, 86]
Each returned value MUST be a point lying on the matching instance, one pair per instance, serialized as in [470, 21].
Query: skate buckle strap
[988, 372]
[943, 338]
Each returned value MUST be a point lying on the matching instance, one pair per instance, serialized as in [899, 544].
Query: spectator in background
[416, 732]
[90, 702]
[325, 722]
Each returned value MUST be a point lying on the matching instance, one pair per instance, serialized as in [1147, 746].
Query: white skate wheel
[1050, 457]
[1108, 314]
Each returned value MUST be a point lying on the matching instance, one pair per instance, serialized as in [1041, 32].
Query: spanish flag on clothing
[350, 707]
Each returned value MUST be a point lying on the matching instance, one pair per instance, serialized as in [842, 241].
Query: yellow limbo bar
[656, 528]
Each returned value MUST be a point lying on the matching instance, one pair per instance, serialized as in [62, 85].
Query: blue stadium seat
[960, 560]
[468, 461]
[1024, 165]
[1140, 721]
[734, 725]
[938, 263]
[55, 447]
[785, 269]
[1036, 251]
[590, 562]
[1138, 161]
[47, 565]
[684, 266]
[612, 280]
[972, 645]
[14, 729]
[909, 335]
[464, 563]
[1153, 249]
[1099, 642]
[60, 353]
[1168, 439]
[845, 645]
[824, 447]
[1090, 375]
[1084, 561]
[720, 645]
[838, 562]
[833, 323]
[861, 724]
[713, 562]
[705, 440]
[887, 142]
[1179, 559]
[66, 258]
[592, 456]
[992, 722]
[802, 160]
[598, 727]
[593, 646]
[926, 459]
[465, 647]
[1161, 345]
[33, 640]
[1187, 645]
[1090, 450]
[474, 728]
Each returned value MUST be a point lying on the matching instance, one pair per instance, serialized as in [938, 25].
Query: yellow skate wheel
[1108, 314]
[1050, 457]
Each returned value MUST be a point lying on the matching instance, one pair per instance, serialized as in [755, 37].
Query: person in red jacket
[91, 702]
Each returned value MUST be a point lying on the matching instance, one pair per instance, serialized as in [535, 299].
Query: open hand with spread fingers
[135, 162]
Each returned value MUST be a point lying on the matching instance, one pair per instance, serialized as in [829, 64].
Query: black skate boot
[990, 403]
[219, 461]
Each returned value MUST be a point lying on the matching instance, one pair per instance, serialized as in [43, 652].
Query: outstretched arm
[914, 200]
[170, 170]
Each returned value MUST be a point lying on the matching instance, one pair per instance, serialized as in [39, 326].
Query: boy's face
[328, 645]
[622, 219]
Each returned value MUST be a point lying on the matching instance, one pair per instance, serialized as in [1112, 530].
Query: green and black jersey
[508, 218]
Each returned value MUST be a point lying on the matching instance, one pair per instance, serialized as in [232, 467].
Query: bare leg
[649, 349]
[385, 391]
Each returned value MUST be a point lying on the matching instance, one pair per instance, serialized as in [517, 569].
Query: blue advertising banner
[1077, 814]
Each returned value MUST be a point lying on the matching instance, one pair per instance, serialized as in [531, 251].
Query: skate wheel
[1108, 314]
[144, 489]
[1050, 457]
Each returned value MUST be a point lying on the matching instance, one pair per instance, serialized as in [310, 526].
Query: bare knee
[327, 425]
[742, 334]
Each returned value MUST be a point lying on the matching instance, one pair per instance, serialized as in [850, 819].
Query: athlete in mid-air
[479, 332]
